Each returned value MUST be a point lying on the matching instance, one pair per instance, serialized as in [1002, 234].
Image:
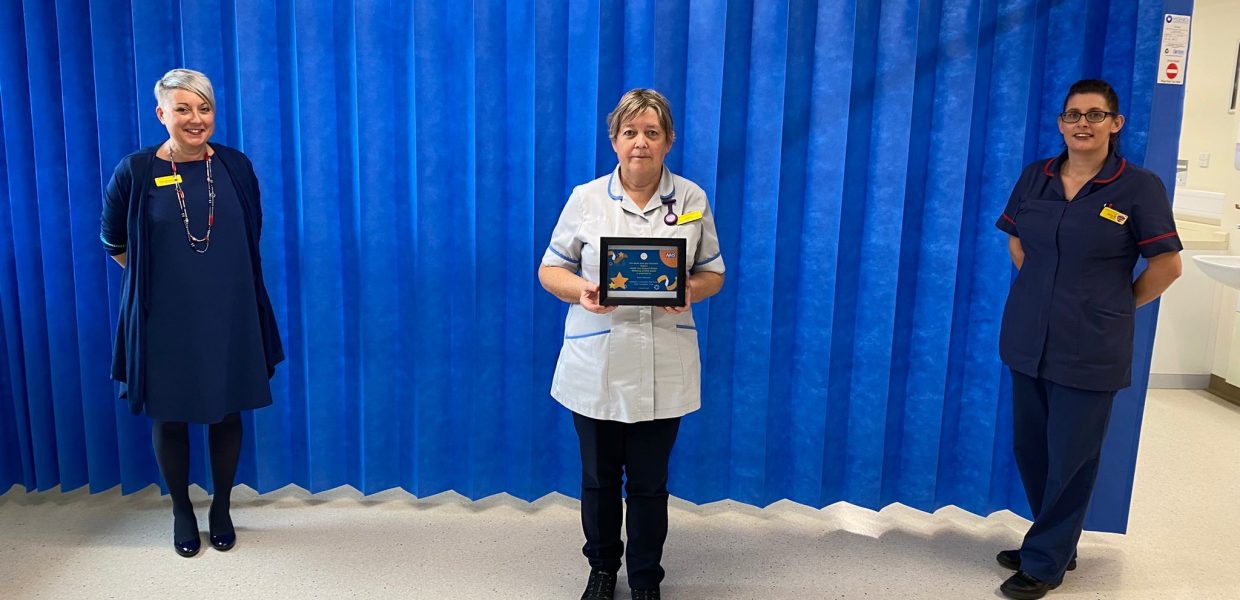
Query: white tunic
[636, 363]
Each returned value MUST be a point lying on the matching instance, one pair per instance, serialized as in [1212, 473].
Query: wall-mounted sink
[1221, 268]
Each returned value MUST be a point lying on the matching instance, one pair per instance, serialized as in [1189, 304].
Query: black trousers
[637, 454]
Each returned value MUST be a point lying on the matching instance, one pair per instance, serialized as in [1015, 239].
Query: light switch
[1203, 160]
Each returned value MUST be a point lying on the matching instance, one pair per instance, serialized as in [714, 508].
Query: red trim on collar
[1046, 168]
[1158, 237]
[1123, 162]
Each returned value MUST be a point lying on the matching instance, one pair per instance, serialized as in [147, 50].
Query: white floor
[1181, 543]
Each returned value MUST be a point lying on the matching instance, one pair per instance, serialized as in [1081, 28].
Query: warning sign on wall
[1173, 57]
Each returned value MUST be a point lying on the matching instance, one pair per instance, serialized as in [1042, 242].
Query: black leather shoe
[602, 586]
[646, 594]
[1010, 559]
[187, 548]
[224, 542]
[1023, 586]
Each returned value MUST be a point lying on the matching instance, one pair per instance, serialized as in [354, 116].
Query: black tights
[171, 442]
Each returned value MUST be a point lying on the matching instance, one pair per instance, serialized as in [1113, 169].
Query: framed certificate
[642, 271]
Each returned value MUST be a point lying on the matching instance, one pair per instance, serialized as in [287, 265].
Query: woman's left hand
[675, 310]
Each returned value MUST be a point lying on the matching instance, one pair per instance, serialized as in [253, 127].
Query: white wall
[1184, 348]
[1209, 128]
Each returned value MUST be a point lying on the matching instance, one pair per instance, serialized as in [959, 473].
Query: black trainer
[1010, 559]
[602, 586]
[1023, 586]
[646, 594]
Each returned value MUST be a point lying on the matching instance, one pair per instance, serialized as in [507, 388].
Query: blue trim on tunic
[575, 262]
[702, 262]
[666, 173]
[586, 335]
[609, 180]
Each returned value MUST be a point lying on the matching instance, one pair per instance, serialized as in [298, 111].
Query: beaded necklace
[176, 182]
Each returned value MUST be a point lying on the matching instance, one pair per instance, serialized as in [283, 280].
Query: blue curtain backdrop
[414, 158]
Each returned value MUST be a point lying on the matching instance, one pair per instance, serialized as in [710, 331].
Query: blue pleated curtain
[414, 157]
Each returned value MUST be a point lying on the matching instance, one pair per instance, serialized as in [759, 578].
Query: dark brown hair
[1102, 88]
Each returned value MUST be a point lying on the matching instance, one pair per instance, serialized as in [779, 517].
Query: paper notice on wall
[1173, 60]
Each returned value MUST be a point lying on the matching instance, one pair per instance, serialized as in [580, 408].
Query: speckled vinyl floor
[1182, 541]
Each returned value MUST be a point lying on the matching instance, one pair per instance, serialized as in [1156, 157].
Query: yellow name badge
[689, 217]
[167, 180]
[1111, 214]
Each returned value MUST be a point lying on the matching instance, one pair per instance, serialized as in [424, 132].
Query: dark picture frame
[1235, 83]
[634, 271]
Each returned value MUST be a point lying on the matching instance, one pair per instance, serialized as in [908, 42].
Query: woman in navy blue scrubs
[1077, 224]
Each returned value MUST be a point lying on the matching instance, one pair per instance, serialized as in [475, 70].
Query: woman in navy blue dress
[1077, 224]
[196, 342]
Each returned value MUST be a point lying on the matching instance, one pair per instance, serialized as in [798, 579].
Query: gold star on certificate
[617, 282]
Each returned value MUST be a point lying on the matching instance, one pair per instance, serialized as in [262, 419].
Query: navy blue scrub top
[1069, 314]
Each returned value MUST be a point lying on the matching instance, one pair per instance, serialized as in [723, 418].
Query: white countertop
[1200, 236]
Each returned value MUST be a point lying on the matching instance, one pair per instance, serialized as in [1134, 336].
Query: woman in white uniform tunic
[629, 373]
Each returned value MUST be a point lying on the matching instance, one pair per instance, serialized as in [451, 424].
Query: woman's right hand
[589, 300]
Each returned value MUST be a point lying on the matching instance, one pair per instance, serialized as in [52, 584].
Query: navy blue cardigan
[124, 229]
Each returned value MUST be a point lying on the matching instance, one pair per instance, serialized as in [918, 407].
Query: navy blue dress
[204, 357]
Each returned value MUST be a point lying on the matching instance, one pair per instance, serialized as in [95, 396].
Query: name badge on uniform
[1111, 214]
[689, 217]
[167, 180]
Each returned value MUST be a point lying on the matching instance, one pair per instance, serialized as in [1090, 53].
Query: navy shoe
[221, 522]
[602, 586]
[646, 594]
[188, 548]
[1010, 559]
[224, 542]
[1023, 586]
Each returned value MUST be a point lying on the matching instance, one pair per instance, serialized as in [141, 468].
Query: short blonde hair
[188, 80]
[635, 102]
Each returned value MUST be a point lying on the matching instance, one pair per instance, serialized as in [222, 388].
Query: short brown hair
[635, 102]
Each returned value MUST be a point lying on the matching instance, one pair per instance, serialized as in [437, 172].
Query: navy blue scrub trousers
[640, 452]
[1058, 433]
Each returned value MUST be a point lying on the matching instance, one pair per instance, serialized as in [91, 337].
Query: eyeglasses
[1093, 116]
